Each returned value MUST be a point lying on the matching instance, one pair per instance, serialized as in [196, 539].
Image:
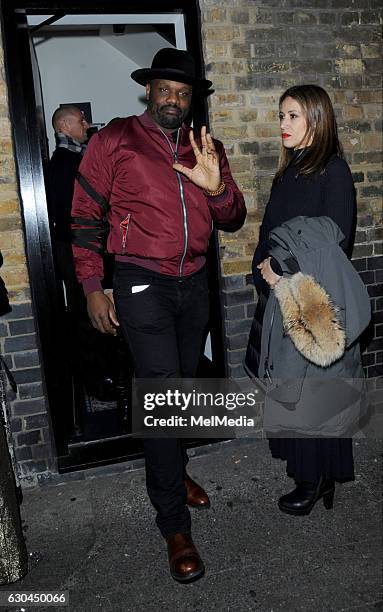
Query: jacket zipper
[124, 226]
[182, 195]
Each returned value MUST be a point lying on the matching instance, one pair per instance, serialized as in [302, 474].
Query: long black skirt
[310, 458]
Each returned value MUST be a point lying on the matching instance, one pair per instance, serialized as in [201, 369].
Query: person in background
[70, 128]
[90, 352]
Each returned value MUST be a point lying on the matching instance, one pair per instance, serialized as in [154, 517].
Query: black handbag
[5, 306]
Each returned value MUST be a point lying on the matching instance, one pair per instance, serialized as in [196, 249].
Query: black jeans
[164, 326]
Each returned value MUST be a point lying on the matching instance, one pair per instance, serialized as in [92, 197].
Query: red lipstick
[285, 135]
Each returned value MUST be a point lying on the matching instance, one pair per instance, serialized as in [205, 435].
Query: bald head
[70, 120]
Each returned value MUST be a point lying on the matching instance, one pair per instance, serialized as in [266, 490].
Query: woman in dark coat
[312, 180]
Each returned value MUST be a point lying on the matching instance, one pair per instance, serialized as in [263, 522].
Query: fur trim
[310, 319]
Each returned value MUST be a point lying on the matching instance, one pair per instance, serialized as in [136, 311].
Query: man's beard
[167, 121]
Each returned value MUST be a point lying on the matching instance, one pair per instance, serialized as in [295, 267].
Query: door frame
[45, 294]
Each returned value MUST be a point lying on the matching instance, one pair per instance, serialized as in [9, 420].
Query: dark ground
[96, 537]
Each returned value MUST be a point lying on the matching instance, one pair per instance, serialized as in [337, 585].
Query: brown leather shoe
[196, 496]
[185, 563]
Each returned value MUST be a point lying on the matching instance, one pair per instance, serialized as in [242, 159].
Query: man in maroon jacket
[165, 191]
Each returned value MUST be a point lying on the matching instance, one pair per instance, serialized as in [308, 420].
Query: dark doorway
[83, 436]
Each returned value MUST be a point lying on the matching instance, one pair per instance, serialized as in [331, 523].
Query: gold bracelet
[217, 192]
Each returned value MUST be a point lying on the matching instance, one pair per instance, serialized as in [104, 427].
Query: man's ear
[147, 91]
[61, 125]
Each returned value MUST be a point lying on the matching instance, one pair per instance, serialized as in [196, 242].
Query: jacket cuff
[278, 259]
[276, 266]
[219, 199]
[91, 284]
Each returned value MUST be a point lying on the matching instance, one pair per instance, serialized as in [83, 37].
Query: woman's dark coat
[329, 193]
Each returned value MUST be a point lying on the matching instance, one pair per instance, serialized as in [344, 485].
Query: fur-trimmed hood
[310, 319]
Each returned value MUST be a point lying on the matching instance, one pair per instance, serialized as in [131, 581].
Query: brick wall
[253, 51]
[18, 341]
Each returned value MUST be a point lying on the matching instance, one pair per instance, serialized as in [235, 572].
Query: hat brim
[144, 75]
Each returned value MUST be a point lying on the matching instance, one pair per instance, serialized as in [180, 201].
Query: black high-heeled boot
[306, 494]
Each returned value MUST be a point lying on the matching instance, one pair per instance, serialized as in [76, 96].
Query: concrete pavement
[96, 537]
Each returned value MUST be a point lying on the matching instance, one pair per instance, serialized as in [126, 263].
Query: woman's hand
[206, 173]
[267, 273]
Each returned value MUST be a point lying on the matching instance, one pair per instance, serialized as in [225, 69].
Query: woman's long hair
[321, 127]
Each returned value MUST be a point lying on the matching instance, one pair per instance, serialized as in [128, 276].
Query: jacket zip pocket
[124, 226]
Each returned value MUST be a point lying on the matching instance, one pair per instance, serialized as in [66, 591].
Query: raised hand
[206, 173]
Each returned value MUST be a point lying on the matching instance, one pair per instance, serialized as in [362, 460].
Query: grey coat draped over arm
[311, 325]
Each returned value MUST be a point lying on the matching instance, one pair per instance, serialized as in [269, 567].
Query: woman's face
[293, 125]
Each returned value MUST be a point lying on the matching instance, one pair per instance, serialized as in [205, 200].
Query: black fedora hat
[174, 65]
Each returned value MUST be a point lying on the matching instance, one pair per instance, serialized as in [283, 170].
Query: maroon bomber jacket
[158, 219]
